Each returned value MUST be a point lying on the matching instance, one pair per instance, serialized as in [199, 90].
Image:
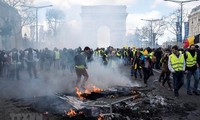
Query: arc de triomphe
[109, 16]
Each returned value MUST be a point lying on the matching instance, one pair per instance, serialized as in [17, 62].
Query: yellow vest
[95, 53]
[151, 55]
[80, 66]
[144, 52]
[133, 52]
[126, 53]
[106, 60]
[57, 55]
[177, 63]
[191, 61]
[118, 54]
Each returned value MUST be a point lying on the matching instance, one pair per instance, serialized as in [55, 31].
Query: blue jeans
[134, 71]
[178, 78]
[199, 73]
[196, 80]
[125, 60]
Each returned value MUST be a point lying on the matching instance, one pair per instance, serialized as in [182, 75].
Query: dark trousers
[81, 72]
[196, 80]
[139, 71]
[14, 73]
[146, 74]
[167, 79]
[162, 75]
[1, 69]
[157, 64]
[31, 66]
[135, 72]
[178, 78]
[14, 69]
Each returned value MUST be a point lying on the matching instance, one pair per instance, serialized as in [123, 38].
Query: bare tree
[54, 18]
[152, 31]
[172, 18]
[5, 31]
[18, 3]
[26, 15]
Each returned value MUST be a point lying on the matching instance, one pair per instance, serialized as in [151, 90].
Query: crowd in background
[142, 62]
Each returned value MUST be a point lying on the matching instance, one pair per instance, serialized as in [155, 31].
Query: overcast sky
[136, 9]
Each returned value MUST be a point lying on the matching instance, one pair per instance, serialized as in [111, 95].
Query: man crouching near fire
[81, 66]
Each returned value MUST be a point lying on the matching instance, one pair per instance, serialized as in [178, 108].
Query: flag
[178, 35]
[186, 24]
[191, 40]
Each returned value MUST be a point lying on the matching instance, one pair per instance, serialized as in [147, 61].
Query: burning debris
[116, 103]
[71, 113]
[119, 102]
[87, 90]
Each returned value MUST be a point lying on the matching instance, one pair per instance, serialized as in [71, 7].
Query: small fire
[95, 89]
[78, 92]
[88, 90]
[71, 113]
[92, 88]
[100, 117]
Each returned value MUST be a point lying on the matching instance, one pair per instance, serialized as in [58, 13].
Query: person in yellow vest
[176, 64]
[80, 67]
[118, 54]
[192, 70]
[96, 52]
[105, 57]
[125, 56]
[136, 66]
[56, 59]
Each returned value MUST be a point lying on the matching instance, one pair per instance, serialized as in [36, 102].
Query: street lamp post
[36, 17]
[151, 25]
[181, 13]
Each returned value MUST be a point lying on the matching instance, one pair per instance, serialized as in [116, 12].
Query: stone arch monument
[113, 17]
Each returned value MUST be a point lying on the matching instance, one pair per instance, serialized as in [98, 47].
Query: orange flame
[100, 117]
[88, 90]
[78, 92]
[95, 89]
[71, 113]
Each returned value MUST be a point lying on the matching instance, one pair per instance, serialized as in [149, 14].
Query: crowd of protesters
[31, 60]
[174, 61]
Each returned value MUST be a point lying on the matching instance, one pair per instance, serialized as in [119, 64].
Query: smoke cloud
[108, 76]
[57, 81]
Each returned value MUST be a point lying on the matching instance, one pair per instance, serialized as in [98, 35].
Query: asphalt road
[191, 101]
[11, 90]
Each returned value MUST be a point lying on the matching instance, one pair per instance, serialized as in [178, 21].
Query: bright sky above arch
[137, 10]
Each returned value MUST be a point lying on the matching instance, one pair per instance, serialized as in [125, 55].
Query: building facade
[10, 27]
[194, 21]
